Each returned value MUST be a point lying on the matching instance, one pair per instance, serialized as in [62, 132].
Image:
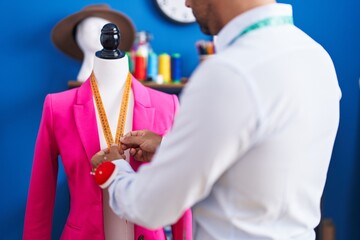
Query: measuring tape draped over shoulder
[102, 114]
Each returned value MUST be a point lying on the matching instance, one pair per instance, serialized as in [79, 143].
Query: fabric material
[68, 129]
[251, 143]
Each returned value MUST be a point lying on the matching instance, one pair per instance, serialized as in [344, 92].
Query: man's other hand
[142, 144]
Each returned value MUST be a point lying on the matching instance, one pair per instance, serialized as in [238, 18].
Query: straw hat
[62, 34]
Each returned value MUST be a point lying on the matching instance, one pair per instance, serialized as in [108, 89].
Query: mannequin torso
[111, 75]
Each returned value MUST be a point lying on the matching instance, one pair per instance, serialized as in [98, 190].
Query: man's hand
[142, 144]
[105, 155]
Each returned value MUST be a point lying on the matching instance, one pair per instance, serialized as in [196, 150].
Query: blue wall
[31, 67]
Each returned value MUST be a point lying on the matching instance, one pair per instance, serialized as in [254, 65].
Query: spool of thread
[131, 65]
[152, 66]
[206, 49]
[176, 72]
[140, 72]
[164, 67]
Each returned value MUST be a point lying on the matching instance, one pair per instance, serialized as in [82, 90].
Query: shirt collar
[239, 23]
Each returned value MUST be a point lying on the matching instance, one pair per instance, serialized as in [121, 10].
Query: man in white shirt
[251, 144]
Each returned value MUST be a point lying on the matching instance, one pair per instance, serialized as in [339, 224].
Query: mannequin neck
[86, 67]
[111, 74]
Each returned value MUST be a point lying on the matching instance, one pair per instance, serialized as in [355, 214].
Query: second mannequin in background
[87, 38]
[67, 35]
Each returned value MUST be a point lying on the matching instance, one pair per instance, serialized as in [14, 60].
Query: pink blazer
[68, 129]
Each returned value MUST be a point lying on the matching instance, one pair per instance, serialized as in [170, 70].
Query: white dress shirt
[251, 143]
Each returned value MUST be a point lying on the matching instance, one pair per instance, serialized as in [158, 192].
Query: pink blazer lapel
[143, 116]
[85, 120]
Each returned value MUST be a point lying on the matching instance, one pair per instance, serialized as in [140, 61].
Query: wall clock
[176, 10]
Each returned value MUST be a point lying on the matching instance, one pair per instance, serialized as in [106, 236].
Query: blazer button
[141, 237]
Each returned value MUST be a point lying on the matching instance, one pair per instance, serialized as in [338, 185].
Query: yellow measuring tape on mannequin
[102, 114]
[104, 120]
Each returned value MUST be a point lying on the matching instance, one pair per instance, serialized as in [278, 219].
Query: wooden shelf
[74, 84]
[163, 85]
[171, 88]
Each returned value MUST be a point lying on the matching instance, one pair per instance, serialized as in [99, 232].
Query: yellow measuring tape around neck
[102, 114]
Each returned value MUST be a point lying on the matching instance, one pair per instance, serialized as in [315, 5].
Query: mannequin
[111, 70]
[70, 128]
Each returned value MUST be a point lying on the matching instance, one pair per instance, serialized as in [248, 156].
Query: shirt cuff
[123, 166]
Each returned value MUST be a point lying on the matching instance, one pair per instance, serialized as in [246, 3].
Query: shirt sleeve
[200, 147]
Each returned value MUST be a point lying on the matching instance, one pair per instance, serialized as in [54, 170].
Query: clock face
[176, 10]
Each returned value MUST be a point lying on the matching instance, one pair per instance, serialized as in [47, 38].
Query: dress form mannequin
[87, 38]
[111, 70]
[70, 134]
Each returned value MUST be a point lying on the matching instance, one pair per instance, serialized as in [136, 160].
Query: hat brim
[63, 36]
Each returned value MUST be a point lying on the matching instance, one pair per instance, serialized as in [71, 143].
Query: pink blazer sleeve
[182, 229]
[41, 196]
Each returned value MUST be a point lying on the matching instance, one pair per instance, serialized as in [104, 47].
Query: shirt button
[141, 237]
